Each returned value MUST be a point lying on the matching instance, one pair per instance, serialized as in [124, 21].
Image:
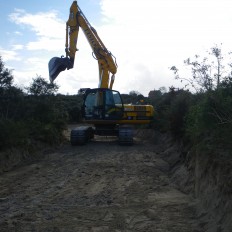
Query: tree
[136, 97]
[207, 74]
[155, 95]
[218, 54]
[6, 78]
[40, 87]
[134, 93]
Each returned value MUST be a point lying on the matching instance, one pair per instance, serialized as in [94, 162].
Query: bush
[50, 133]
[170, 111]
[210, 118]
[178, 110]
[13, 133]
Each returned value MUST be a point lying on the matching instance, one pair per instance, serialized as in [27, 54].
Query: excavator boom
[106, 61]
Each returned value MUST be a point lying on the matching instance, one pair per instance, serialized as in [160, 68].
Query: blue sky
[146, 37]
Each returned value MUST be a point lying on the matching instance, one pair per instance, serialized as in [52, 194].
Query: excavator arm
[106, 61]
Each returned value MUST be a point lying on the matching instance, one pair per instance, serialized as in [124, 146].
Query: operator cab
[102, 104]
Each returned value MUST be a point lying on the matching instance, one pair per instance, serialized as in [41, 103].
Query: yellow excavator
[103, 109]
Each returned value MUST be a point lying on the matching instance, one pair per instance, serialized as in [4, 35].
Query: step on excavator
[103, 110]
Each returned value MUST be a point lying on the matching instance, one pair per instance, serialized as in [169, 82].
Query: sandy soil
[97, 187]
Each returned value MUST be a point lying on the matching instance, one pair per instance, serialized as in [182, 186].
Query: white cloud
[44, 43]
[30, 68]
[47, 26]
[18, 33]
[17, 47]
[9, 55]
[23, 78]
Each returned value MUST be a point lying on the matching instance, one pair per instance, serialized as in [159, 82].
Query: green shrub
[210, 118]
[170, 111]
[12, 133]
[178, 110]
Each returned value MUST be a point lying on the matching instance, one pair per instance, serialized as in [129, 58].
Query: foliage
[26, 118]
[208, 120]
[179, 108]
[72, 105]
[40, 87]
[50, 133]
[199, 121]
[134, 97]
[11, 102]
[211, 119]
[171, 109]
[6, 77]
[199, 118]
[207, 72]
[12, 133]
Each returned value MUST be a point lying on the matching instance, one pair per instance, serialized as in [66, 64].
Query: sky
[146, 37]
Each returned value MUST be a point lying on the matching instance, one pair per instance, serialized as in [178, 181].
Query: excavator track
[81, 135]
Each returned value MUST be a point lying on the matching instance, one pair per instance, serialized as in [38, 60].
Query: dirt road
[97, 187]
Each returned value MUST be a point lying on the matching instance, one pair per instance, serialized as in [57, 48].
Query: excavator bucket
[57, 65]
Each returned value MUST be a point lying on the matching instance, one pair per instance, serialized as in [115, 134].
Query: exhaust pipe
[57, 65]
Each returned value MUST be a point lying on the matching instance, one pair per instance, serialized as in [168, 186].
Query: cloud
[23, 78]
[44, 43]
[49, 29]
[17, 47]
[9, 55]
[149, 37]
[45, 24]
[18, 33]
[30, 68]
[166, 25]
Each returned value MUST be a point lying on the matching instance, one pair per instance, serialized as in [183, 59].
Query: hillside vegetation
[203, 116]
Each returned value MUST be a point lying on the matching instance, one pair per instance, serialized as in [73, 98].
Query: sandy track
[97, 187]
